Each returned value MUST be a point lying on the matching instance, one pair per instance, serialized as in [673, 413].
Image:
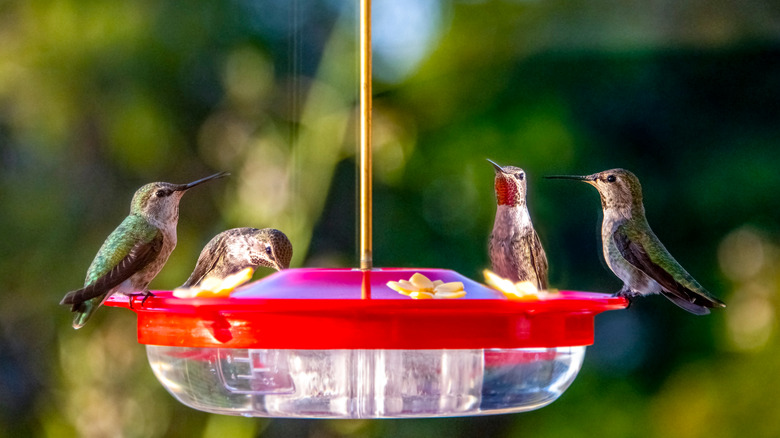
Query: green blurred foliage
[99, 97]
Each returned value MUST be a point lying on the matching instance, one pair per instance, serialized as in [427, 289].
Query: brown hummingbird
[632, 250]
[239, 248]
[515, 249]
[136, 251]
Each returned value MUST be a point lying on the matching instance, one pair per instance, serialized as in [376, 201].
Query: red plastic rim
[353, 309]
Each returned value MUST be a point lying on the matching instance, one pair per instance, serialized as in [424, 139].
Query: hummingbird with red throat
[515, 249]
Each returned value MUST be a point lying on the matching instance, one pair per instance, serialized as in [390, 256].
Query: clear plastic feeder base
[365, 383]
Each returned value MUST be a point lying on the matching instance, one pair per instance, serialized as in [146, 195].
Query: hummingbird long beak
[590, 179]
[188, 186]
[496, 166]
[587, 178]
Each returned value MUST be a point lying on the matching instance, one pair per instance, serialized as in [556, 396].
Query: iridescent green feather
[132, 231]
[636, 231]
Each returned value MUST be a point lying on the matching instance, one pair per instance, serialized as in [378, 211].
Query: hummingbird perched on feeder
[515, 249]
[234, 250]
[135, 252]
[633, 252]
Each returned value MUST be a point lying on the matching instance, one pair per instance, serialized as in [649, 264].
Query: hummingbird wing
[645, 252]
[208, 260]
[538, 259]
[132, 261]
[520, 259]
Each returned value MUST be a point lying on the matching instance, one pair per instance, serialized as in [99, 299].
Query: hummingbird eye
[520, 176]
[161, 193]
[268, 249]
[611, 178]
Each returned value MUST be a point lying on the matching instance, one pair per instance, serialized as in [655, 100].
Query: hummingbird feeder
[341, 343]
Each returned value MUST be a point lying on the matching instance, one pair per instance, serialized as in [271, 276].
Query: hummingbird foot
[145, 294]
[625, 292]
[146, 297]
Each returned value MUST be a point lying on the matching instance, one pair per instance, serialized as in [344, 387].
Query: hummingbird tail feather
[83, 312]
[68, 298]
[73, 299]
[697, 307]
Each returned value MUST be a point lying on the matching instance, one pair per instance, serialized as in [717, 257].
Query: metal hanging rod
[366, 244]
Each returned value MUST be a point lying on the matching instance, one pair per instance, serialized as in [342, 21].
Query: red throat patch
[505, 191]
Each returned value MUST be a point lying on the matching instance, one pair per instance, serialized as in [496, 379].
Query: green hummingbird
[239, 248]
[632, 250]
[135, 252]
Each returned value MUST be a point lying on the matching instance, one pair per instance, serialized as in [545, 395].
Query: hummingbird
[239, 248]
[633, 252]
[135, 252]
[515, 249]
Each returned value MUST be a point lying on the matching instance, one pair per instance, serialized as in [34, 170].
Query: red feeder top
[354, 309]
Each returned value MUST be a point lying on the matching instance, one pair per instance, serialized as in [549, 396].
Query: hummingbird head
[158, 202]
[618, 188]
[510, 185]
[270, 248]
